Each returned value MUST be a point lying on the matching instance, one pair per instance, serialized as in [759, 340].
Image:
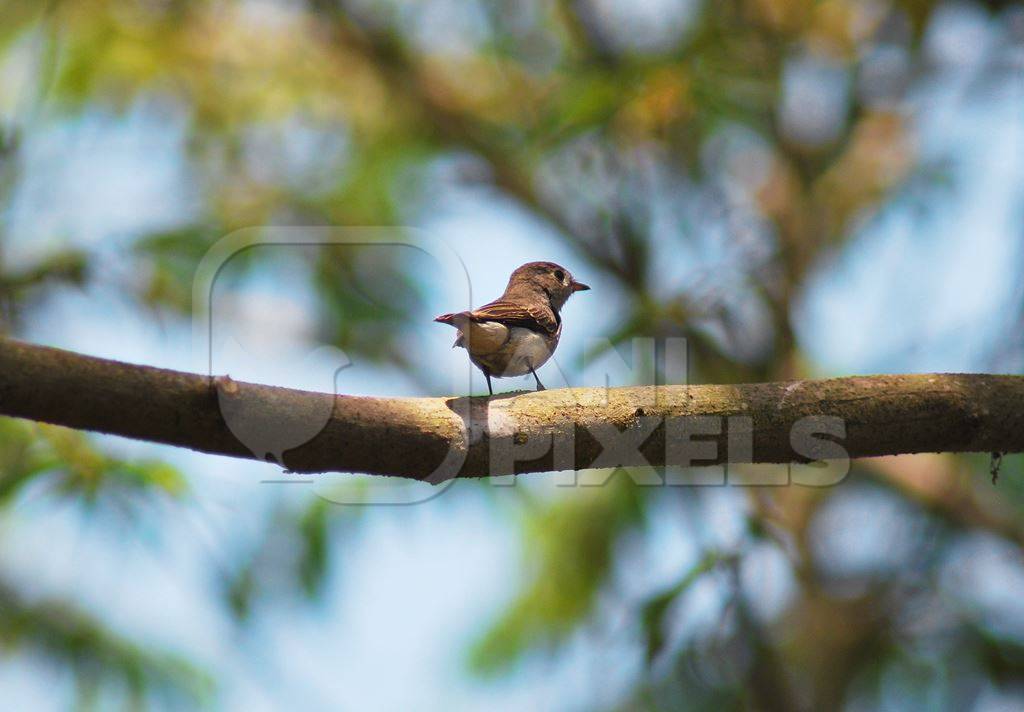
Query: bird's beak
[579, 286]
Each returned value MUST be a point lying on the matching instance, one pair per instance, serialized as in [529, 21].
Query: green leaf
[654, 610]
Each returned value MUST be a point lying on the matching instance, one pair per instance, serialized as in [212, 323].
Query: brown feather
[531, 316]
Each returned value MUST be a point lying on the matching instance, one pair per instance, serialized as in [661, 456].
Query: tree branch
[439, 438]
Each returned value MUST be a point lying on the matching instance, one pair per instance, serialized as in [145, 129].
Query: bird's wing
[538, 318]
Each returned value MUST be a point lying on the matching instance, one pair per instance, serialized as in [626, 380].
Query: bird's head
[554, 280]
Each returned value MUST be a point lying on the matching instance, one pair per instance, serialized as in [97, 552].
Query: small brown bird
[517, 332]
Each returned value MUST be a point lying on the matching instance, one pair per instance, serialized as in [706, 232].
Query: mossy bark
[439, 438]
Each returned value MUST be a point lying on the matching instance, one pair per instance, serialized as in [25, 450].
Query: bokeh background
[797, 188]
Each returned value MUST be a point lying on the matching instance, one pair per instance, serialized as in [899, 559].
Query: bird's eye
[559, 275]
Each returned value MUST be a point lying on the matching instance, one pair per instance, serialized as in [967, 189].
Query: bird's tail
[458, 320]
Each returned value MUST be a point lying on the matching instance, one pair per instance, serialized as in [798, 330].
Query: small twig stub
[994, 465]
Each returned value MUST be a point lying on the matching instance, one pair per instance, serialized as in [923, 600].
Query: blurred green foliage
[69, 465]
[290, 557]
[639, 147]
[98, 657]
[571, 545]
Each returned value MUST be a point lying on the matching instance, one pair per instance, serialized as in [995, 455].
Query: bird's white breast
[529, 348]
[508, 351]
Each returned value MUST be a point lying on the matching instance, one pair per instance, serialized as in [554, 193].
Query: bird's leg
[487, 375]
[540, 386]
